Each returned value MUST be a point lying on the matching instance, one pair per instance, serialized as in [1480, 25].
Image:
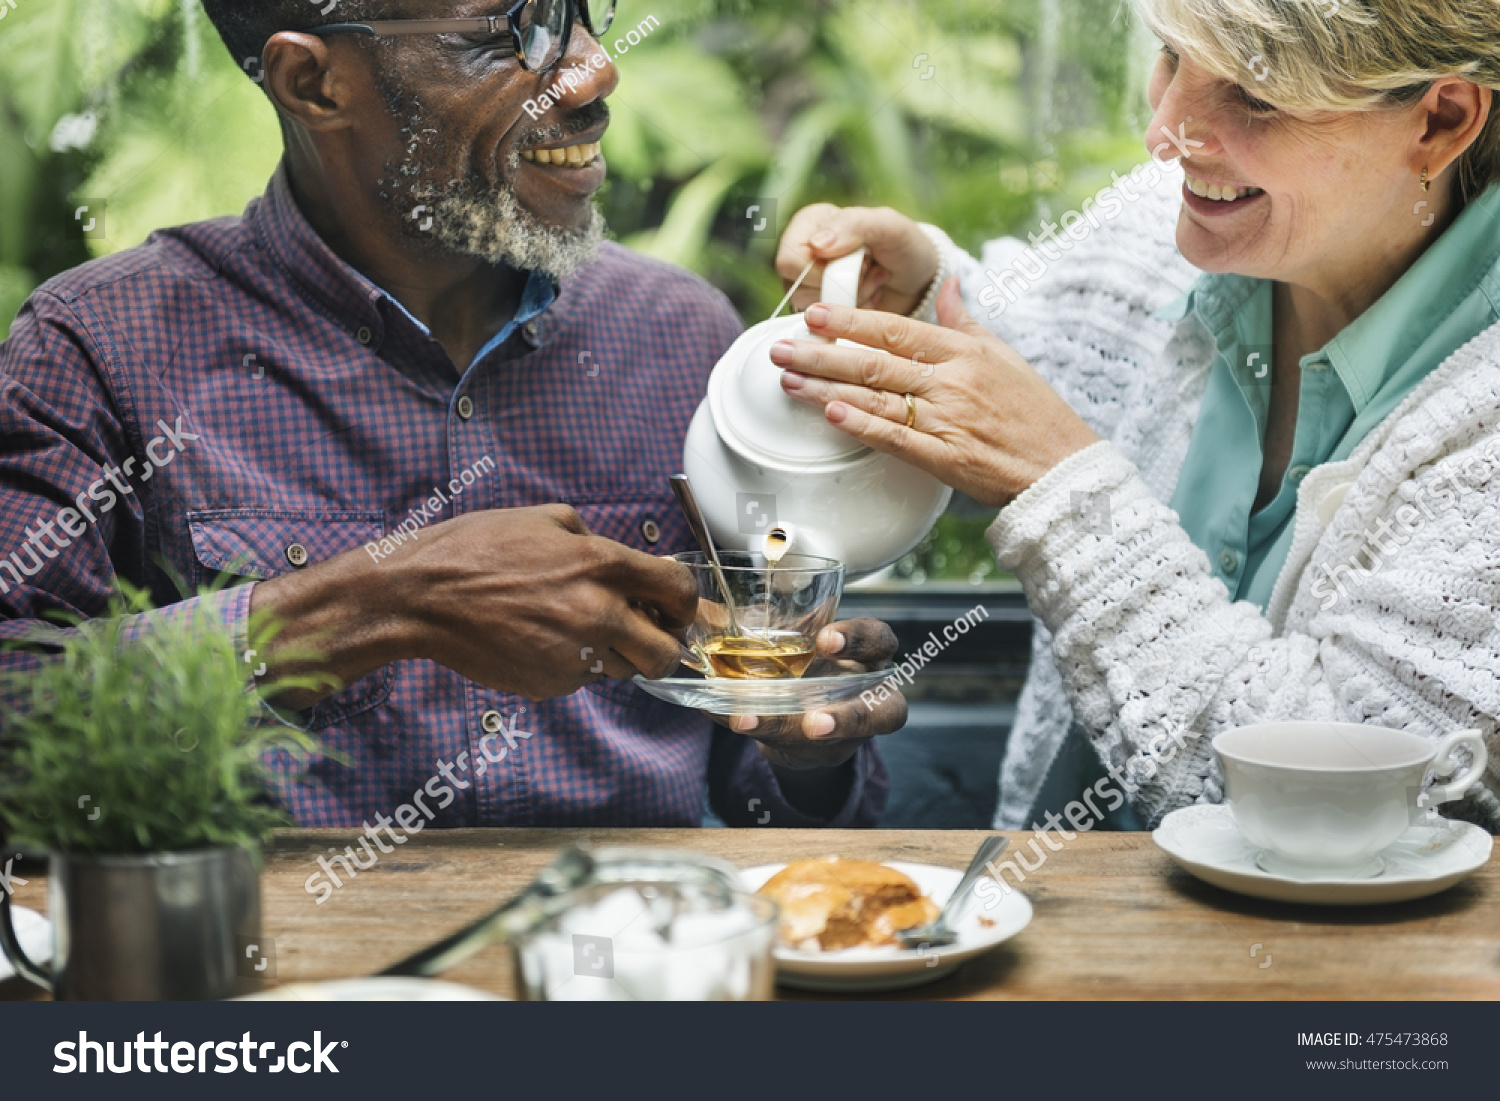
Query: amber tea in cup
[772, 655]
[780, 608]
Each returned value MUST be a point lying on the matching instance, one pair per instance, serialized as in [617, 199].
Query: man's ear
[308, 81]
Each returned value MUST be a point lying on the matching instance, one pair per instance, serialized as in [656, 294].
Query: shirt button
[650, 532]
[530, 329]
[1229, 561]
[364, 335]
[1297, 473]
[465, 407]
[492, 721]
[296, 554]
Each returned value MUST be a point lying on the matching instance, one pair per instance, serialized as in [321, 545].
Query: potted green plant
[130, 752]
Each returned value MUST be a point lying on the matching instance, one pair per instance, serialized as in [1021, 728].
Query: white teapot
[760, 460]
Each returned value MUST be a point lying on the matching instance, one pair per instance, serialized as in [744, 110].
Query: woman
[1318, 402]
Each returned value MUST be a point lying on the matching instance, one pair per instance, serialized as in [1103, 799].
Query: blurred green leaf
[689, 109]
[684, 231]
[15, 284]
[178, 149]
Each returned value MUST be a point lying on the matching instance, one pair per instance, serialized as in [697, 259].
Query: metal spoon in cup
[936, 934]
[682, 489]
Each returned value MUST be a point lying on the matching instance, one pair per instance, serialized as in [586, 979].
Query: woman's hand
[898, 270]
[985, 422]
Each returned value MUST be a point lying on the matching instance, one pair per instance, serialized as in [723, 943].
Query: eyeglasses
[536, 32]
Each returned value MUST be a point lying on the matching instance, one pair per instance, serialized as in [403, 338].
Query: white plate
[1205, 841]
[783, 696]
[390, 988]
[866, 969]
[35, 934]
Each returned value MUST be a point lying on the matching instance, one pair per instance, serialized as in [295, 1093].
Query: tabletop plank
[1115, 919]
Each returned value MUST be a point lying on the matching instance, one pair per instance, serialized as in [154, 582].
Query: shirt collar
[1216, 297]
[1385, 336]
[315, 268]
[343, 292]
[538, 293]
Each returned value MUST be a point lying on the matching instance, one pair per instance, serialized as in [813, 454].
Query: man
[369, 396]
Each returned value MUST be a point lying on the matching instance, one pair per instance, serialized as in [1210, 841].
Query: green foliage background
[978, 115]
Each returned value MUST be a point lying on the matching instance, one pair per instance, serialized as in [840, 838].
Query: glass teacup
[778, 608]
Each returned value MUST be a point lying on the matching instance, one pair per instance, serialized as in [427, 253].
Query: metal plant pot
[172, 926]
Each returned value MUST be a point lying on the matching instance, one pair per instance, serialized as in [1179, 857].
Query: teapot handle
[841, 279]
[841, 284]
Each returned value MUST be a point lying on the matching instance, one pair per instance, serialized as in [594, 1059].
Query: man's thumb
[951, 312]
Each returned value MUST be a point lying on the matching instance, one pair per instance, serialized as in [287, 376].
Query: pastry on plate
[831, 903]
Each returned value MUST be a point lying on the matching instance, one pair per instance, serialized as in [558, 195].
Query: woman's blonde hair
[1320, 55]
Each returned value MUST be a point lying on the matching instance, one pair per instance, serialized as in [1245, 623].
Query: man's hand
[521, 600]
[822, 739]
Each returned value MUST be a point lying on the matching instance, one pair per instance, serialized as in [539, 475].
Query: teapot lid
[756, 417]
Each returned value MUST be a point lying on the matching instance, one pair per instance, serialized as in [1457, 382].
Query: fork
[938, 933]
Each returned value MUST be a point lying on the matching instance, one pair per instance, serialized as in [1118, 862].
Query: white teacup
[1324, 798]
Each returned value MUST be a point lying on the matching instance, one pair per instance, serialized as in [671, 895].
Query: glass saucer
[786, 696]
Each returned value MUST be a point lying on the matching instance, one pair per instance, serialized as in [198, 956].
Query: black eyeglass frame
[482, 24]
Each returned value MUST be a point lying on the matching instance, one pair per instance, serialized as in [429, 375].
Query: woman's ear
[307, 80]
[1454, 112]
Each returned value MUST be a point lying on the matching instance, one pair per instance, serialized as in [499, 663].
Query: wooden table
[1115, 919]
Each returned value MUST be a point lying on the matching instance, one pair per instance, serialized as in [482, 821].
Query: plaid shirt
[233, 396]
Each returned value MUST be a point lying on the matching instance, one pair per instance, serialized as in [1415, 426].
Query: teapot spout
[805, 540]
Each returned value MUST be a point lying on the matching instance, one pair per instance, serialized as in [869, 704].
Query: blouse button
[296, 554]
[1297, 473]
[465, 407]
[1229, 561]
[650, 532]
[492, 721]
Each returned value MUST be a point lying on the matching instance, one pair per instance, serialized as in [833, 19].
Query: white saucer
[35, 934]
[1205, 841]
[867, 969]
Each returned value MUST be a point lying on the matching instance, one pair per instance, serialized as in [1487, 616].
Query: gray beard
[496, 228]
[470, 218]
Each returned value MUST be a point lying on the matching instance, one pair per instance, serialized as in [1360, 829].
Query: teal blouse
[1448, 297]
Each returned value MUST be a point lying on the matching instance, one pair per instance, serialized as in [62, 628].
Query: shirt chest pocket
[267, 543]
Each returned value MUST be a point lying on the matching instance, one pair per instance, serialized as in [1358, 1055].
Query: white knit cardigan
[1135, 636]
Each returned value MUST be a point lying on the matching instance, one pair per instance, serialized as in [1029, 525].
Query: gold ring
[911, 411]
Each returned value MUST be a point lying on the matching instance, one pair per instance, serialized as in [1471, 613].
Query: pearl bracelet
[927, 309]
